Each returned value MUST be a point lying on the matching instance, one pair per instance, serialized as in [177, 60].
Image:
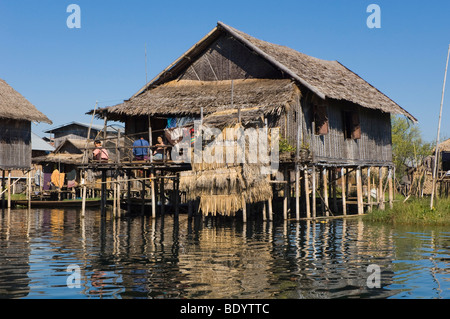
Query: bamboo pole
[314, 212]
[29, 188]
[244, 210]
[3, 190]
[297, 191]
[9, 189]
[369, 191]
[343, 186]
[380, 189]
[153, 193]
[391, 189]
[325, 191]
[307, 199]
[359, 191]
[286, 191]
[435, 170]
[83, 202]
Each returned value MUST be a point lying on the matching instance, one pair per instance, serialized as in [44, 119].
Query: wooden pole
[83, 203]
[435, 170]
[119, 211]
[152, 183]
[143, 194]
[176, 182]
[29, 188]
[335, 178]
[128, 190]
[244, 210]
[307, 199]
[286, 191]
[314, 212]
[2, 189]
[9, 189]
[344, 191]
[114, 200]
[325, 191]
[380, 189]
[369, 191]
[391, 189]
[103, 193]
[359, 191]
[297, 191]
[161, 194]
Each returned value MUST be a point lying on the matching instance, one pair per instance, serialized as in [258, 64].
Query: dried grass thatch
[186, 97]
[14, 106]
[225, 188]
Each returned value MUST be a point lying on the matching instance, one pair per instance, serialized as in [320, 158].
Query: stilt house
[318, 105]
[16, 115]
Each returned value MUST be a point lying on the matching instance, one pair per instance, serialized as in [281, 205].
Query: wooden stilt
[344, 191]
[152, 183]
[285, 197]
[325, 191]
[391, 188]
[143, 193]
[307, 199]
[103, 193]
[177, 196]
[9, 189]
[119, 211]
[297, 192]
[314, 212]
[129, 191]
[380, 190]
[29, 188]
[115, 198]
[334, 176]
[359, 191]
[83, 203]
[161, 194]
[244, 210]
[369, 191]
[264, 211]
[2, 191]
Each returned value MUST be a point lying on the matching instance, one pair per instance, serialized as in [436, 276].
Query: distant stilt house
[78, 130]
[321, 107]
[16, 115]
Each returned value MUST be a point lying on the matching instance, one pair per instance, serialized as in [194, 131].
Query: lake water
[55, 254]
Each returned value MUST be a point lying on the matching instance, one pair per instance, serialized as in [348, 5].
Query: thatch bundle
[224, 188]
[14, 106]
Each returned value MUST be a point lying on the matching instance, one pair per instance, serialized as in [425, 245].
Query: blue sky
[63, 71]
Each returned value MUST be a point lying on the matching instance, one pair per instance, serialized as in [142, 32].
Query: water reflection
[141, 257]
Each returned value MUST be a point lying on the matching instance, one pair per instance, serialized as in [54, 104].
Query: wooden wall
[228, 59]
[373, 148]
[15, 144]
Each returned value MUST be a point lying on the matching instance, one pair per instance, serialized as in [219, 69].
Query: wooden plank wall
[15, 144]
[374, 147]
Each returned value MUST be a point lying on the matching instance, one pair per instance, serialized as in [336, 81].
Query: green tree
[408, 147]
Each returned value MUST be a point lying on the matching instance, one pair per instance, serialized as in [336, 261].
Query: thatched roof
[187, 97]
[327, 79]
[14, 106]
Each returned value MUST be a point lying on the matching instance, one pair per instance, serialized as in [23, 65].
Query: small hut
[16, 115]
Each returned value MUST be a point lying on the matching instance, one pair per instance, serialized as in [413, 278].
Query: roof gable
[327, 79]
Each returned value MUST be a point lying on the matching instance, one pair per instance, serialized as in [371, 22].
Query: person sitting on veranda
[140, 149]
[100, 154]
[158, 153]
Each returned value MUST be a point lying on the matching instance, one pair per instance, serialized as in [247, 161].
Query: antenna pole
[435, 170]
